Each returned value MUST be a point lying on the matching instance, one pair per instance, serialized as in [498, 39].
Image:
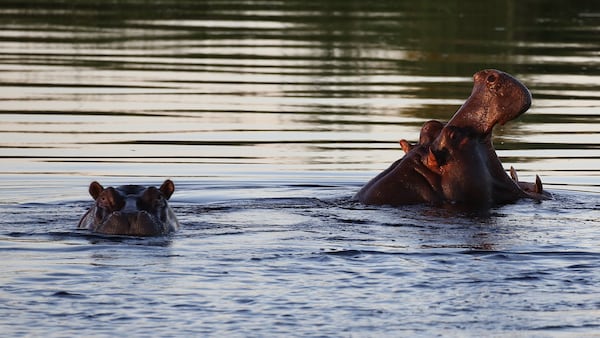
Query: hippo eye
[453, 135]
[103, 200]
[491, 78]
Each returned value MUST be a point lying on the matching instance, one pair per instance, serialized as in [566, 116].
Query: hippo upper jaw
[496, 98]
[140, 223]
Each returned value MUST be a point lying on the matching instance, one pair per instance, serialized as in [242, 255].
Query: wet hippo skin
[455, 163]
[132, 210]
[410, 179]
[459, 158]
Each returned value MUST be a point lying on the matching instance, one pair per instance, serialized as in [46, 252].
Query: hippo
[132, 210]
[409, 180]
[451, 161]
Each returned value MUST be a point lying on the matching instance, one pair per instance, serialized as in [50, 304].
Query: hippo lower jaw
[139, 223]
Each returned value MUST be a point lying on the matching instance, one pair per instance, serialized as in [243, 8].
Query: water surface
[269, 116]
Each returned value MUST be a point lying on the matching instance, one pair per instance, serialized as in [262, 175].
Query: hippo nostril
[491, 78]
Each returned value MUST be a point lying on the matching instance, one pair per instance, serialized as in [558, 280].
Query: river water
[269, 116]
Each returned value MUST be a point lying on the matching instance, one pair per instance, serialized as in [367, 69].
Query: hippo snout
[139, 223]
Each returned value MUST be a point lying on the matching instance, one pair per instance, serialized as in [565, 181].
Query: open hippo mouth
[439, 156]
[448, 141]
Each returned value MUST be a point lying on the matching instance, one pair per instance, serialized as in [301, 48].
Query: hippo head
[496, 98]
[430, 131]
[131, 210]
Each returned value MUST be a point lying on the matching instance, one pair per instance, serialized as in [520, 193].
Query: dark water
[268, 116]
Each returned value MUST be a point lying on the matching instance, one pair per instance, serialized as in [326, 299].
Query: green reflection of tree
[440, 37]
[352, 37]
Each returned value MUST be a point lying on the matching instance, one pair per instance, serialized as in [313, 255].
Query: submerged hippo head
[131, 210]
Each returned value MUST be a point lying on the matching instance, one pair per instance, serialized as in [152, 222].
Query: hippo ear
[167, 188]
[406, 147]
[95, 189]
[538, 185]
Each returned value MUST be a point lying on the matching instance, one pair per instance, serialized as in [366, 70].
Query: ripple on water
[268, 117]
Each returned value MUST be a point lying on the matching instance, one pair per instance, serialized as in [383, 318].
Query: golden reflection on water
[284, 93]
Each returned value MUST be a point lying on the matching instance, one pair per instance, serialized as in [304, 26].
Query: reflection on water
[306, 267]
[220, 89]
[250, 100]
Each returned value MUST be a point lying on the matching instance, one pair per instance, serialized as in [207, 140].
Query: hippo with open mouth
[455, 163]
[132, 210]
